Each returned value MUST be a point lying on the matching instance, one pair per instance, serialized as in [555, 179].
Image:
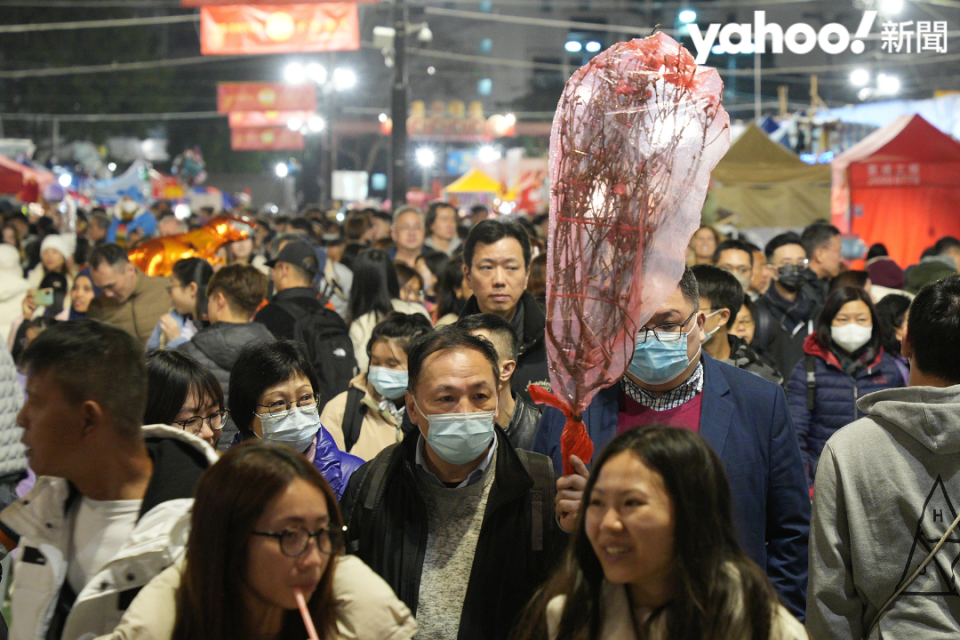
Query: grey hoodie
[887, 489]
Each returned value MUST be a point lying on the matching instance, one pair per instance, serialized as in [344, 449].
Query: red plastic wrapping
[635, 136]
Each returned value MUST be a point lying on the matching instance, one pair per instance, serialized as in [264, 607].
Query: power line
[113, 117]
[542, 22]
[117, 66]
[97, 24]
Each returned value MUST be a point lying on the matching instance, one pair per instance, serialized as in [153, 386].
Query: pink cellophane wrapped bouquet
[635, 136]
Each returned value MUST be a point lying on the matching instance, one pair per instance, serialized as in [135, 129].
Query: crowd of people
[330, 426]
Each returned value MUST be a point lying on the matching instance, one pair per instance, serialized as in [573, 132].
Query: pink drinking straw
[307, 620]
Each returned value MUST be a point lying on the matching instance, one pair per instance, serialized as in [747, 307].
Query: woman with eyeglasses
[265, 525]
[273, 397]
[184, 394]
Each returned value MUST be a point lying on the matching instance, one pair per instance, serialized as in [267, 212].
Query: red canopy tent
[13, 175]
[900, 186]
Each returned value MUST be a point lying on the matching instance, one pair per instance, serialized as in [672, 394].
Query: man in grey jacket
[233, 295]
[888, 490]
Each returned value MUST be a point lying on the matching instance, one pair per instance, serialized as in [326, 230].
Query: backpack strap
[294, 310]
[541, 514]
[373, 473]
[353, 417]
[810, 366]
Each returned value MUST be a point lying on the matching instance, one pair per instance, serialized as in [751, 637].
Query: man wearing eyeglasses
[112, 499]
[671, 381]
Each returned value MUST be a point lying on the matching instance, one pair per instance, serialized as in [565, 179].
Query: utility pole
[398, 108]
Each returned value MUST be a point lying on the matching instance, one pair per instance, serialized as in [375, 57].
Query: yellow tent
[475, 181]
[765, 185]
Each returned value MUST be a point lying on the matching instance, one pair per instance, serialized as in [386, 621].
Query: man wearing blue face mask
[454, 518]
[671, 381]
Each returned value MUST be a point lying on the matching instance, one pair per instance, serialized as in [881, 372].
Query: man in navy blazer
[742, 416]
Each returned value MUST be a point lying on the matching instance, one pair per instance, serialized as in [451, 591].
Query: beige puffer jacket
[379, 429]
[367, 608]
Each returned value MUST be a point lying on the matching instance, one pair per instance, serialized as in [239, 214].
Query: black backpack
[329, 348]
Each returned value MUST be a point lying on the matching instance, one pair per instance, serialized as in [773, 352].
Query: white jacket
[13, 288]
[42, 520]
[367, 608]
[617, 621]
[13, 457]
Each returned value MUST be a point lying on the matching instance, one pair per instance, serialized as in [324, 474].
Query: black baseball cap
[299, 254]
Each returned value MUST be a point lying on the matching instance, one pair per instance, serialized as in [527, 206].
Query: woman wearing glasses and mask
[265, 526]
[184, 394]
[273, 397]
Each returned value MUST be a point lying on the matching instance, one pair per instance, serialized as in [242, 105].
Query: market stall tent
[765, 185]
[13, 175]
[900, 186]
[474, 181]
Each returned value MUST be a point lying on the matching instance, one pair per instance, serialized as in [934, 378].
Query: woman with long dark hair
[184, 394]
[188, 293]
[452, 292]
[843, 361]
[265, 525]
[655, 555]
[374, 294]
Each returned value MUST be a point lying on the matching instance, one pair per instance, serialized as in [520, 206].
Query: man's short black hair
[689, 288]
[446, 339]
[877, 250]
[933, 326]
[490, 231]
[780, 241]
[946, 243]
[733, 245]
[817, 235]
[502, 335]
[92, 360]
[432, 210]
[113, 254]
[721, 288]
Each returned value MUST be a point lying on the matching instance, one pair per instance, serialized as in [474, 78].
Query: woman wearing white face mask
[273, 397]
[843, 361]
[371, 415]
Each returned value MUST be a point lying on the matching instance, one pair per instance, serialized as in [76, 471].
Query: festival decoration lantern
[156, 257]
[635, 136]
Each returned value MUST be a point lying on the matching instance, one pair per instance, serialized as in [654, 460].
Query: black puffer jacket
[387, 528]
[216, 348]
[530, 324]
[523, 424]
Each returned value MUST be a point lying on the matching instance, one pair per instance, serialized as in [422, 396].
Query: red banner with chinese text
[245, 29]
[274, 139]
[260, 119]
[265, 96]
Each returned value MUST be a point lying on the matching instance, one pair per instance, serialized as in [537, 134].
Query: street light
[859, 77]
[487, 154]
[593, 46]
[889, 85]
[687, 16]
[65, 179]
[425, 157]
[316, 72]
[891, 7]
[344, 79]
[282, 170]
[294, 124]
[295, 73]
[316, 124]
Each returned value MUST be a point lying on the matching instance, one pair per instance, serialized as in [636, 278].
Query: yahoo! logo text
[800, 38]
